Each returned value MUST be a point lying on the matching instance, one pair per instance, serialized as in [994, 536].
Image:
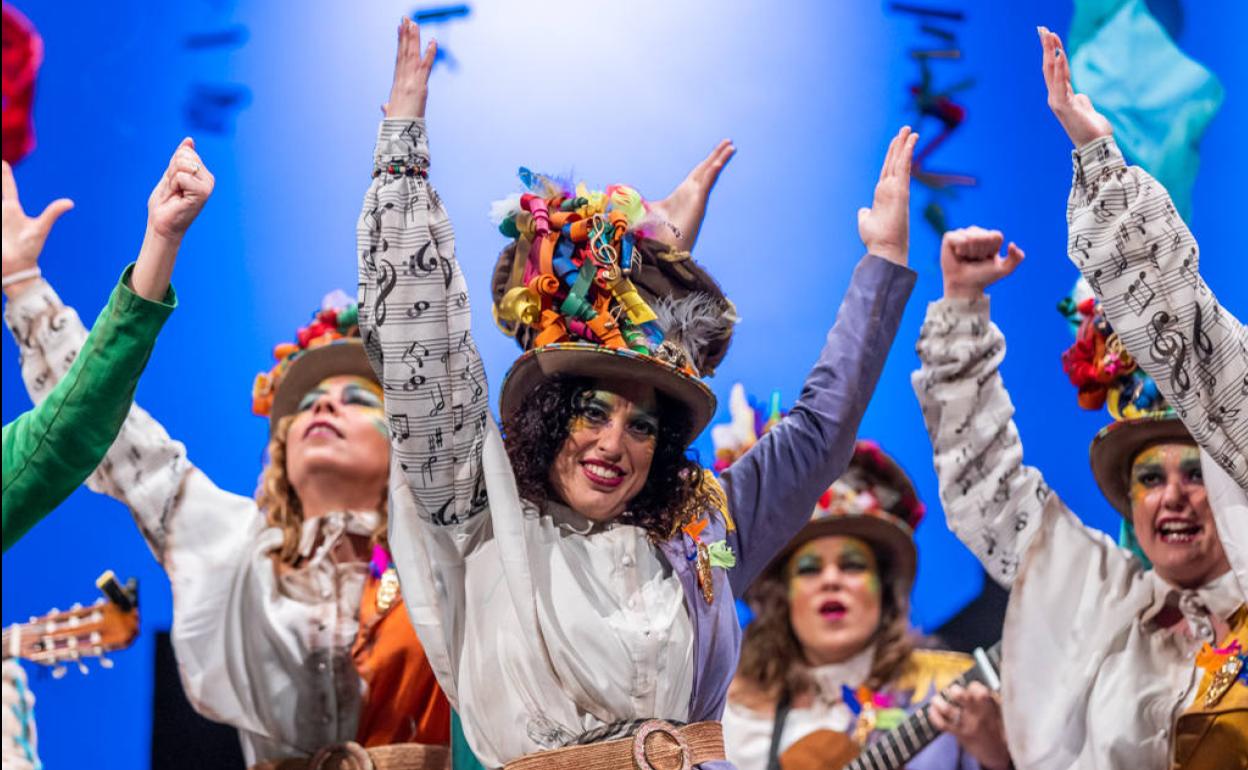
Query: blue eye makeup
[808, 564]
[309, 399]
[355, 394]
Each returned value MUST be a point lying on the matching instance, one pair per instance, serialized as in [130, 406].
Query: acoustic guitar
[79, 633]
[830, 750]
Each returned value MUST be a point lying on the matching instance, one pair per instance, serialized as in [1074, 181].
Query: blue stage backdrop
[283, 101]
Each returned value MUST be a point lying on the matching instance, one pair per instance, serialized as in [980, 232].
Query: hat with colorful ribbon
[328, 346]
[874, 499]
[586, 291]
[1106, 375]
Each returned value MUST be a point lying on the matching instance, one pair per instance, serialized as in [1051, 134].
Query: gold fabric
[1214, 736]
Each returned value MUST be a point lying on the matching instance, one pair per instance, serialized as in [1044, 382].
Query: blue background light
[632, 92]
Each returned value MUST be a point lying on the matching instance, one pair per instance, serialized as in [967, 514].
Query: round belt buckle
[344, 756]
[648, 728]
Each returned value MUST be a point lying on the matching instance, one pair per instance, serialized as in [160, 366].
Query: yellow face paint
[1152, 468]
[352, 391]
[597, 408]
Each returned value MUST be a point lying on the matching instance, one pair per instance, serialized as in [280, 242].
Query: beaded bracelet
[401, 169]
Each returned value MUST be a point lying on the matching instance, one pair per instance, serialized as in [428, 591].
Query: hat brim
[892, 539]
[1116, 446]
[344, 357]
[610, 364]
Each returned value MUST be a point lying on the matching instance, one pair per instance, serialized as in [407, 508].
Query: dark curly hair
[675, 492]
[772, 660]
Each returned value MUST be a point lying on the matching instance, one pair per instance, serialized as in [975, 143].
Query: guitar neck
[893, 749]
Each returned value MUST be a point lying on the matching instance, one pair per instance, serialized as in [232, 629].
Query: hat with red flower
[328, 346]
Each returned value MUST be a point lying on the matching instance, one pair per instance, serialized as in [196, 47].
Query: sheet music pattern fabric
[1143, 264]
[1083, 635]
[540, 624]
[1163, 257]
[268, 654]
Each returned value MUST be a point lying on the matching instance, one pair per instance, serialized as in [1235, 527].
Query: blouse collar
[851, 672]
[327, 529]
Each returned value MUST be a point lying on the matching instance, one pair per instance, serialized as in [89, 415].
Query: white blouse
[540, 624]
[1098, 652]
[747, 733]
[264, 649]
[552, 671]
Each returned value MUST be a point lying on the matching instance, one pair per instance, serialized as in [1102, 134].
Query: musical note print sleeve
[50, 450]
[415, 321]
[145, 469]
[993, 502]
[1143, 264]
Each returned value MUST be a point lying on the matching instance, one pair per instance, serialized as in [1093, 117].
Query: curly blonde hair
[280, 503]
[772, 661]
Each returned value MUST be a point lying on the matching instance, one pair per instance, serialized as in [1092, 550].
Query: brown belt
[657, 745]
[353, 756]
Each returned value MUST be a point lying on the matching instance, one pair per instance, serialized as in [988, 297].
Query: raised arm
[1143, 265]
[414, 313]
[992, 501]
[773, 488]
[51, 449]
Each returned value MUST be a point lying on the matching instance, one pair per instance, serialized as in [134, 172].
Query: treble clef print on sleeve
[385, 284]
[1169, 349]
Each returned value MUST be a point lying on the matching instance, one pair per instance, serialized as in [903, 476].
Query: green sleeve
[50, 450]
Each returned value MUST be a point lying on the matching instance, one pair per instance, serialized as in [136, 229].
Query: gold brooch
[388, 591]
[1223, 678]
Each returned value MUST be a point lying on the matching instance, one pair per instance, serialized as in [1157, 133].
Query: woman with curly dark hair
[573, 582]
[830, 661]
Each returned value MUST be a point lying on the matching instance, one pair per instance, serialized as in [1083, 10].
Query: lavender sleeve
[773, 488]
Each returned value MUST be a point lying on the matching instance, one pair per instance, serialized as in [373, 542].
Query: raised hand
[885, 227]
[410, 89]
[180, 194]
[973, 716]
[1074, 111]
[970, 261]
[682, 212]
[178, 198]
[24, 236]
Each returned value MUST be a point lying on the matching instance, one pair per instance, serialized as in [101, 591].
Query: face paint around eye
[380, 424]
[355, 394]
[858, 556]
[310, 398]
[807, 563]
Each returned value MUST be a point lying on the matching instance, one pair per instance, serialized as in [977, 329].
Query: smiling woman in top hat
[1109, 642]
[1204, 379]
[573, 583]
[829, 662]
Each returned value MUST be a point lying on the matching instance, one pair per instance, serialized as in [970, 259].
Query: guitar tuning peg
[106, 662]
[75, 606]
[58, 672]
[82, 668]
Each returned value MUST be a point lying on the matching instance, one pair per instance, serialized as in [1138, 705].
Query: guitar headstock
[70, 636]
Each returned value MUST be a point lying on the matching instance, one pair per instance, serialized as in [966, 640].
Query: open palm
[885, 227]
[24, 236]
[682, 212]
[1074, 111]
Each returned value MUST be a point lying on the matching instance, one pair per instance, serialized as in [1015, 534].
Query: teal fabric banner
[1158, 100]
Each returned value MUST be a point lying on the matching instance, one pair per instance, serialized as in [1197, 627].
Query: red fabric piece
[23, 53]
